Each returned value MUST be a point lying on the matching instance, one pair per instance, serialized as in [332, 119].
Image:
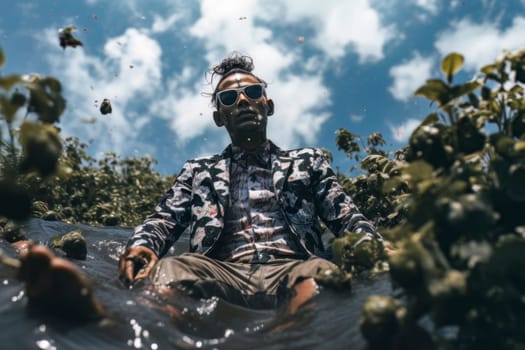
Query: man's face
[244, 112]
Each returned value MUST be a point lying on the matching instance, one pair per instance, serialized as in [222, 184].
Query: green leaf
[15, 201]
[451, 64]
[488, 68]
[464, 89]
[430, 119]
[519, 146]
[373, 159]
[417, 171]
[8, 81]
[41, 147]
[7, 109]
[45, 99]
[435, 90]
[516, 183]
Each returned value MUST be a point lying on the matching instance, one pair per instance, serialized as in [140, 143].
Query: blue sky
[330, 64]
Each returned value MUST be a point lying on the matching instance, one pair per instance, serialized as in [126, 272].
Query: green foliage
[40, 176]
[451, 64]
[34, 133]
[110, 192]
[376, 191]
[460, 247]
[72, 243]
[354, 253]
[381, 321]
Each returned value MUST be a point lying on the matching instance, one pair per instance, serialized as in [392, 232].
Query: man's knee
[188, 267]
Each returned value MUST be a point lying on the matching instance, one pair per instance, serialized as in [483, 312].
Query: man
[251, 211]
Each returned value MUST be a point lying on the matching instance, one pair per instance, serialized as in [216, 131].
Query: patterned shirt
[254, 225]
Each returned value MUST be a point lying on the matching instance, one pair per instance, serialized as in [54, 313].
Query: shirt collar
[260, 156]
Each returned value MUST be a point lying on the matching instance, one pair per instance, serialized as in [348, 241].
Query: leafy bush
[40, 176]
[35, 134]
[111, 192]
[377, 191]
[460, 259]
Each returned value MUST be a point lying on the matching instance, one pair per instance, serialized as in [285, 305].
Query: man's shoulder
[208, 158]
[205, 159]
[304, 152]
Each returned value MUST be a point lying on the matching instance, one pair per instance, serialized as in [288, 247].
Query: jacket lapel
[280, 167]
[220, 177]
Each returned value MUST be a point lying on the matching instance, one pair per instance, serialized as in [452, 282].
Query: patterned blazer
[305, 186]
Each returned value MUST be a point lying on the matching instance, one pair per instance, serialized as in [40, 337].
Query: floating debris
[300, 39]
[131, 66]
[67, 39]
[72, 243]
[15, 201]
[105, 106]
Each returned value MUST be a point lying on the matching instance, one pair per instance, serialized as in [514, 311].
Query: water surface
[139, 321]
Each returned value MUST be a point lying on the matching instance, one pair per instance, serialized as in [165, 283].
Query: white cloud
[401, 133]
[188, 113]
[161, 24]
[409, 76]
[338, 26]
[481, 43]
[303, 118]
[293, 122]
[454, 4]
[430, 6]
[128, 74]
[130, 70]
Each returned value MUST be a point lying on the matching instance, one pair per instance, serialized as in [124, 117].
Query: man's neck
[250, 144]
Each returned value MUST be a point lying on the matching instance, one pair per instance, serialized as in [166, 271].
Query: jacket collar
[220, 171]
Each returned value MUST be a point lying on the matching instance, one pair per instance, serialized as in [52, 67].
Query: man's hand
[136, 263]
[388, 248]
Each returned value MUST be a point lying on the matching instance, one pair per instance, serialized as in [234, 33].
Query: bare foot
[304, 291]
[21, 246]
[57, 286]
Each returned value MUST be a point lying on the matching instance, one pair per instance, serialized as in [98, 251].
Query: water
[140, 321]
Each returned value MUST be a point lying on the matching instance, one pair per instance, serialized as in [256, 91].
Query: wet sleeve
[334, 205]
[171, 216]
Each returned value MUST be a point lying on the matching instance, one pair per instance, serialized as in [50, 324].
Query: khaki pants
[256, 285]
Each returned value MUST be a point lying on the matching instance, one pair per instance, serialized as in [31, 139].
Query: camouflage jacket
[305, 186]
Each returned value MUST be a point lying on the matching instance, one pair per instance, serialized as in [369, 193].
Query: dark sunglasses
[228, 97]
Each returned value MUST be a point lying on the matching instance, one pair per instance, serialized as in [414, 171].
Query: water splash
[18, 297]
[208, 306]
[45, 344]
